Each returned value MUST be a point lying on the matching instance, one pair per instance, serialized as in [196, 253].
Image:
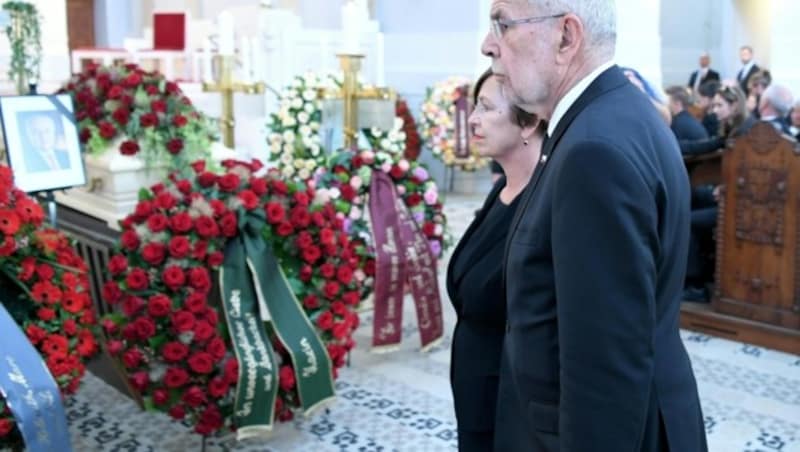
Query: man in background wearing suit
[683, 124]
[704, 74]
[41, 153]
[749, 67]
[596, 254]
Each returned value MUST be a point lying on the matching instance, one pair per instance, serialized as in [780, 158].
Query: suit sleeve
[605, 240]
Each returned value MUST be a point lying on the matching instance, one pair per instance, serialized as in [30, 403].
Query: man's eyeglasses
[500, 26]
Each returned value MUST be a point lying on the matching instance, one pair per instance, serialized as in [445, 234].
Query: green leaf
[145, 194]
[157, 341]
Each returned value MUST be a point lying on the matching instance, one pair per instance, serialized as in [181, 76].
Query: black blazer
[686, 127]
[595, 264]
[710, 75]
[477, 295]
[743, 81]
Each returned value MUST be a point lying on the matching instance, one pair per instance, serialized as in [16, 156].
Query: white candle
[207, 60]
[351, 27]
[226, 33]
[244, 58]
[380, 71]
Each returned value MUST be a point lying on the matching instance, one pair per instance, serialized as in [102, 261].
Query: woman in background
[513, 139]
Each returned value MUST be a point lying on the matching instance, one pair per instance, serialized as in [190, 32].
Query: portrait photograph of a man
[41, 140]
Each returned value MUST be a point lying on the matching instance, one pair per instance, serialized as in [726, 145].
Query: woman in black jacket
[513, 139]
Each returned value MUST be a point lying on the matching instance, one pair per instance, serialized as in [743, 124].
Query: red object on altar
[169, 31]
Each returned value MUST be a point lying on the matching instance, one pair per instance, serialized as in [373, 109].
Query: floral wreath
[174, 348]
[437, 126]
[294, 139]
[45, 288]
[148, 114]
[413, 141]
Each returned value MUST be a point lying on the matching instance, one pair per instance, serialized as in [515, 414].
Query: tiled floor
[402, 401]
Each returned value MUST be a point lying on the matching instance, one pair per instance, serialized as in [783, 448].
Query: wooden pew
[757, 294]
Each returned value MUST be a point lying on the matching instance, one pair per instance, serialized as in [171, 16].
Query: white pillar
[784, 42]
[639, 37]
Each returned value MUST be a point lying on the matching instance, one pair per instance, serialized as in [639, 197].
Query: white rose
[334, 193]
[275, 148]
[289, 121]
[288, 136]
[297, 102]
[385, 144]
[299, 163]
[438, 230]
[322, 196]
[297, 82]
[314, 126]
[287, 171]
[398, 123]
[303, 117]
[287, 159]
[288, 149]
[314, 149]
[403, 164]
[309, 94]
[310, 108]
[274, 138]
[304, 174]
[310, 164]
[356, 182]
[355, 213]
[305, 130]
[401, 189]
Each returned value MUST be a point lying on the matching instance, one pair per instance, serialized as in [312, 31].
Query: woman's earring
[525, 142]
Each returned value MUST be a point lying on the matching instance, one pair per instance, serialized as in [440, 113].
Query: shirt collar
[746, 67]
[572, 95]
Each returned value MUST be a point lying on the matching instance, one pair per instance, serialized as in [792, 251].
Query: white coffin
[114, 181]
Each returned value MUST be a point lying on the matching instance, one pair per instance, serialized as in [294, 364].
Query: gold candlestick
[351, 94]
[226, 86]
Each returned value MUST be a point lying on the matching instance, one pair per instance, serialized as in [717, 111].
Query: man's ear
[572, 38]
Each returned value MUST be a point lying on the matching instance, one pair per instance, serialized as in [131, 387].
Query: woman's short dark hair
[520, 117]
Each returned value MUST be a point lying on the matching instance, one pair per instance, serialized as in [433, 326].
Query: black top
[687, 127]
[474, 283]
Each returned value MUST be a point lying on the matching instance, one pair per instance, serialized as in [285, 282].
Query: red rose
[300, 217]
[174, 146]
[200, 279]
[206, 227]
[396, 172]
[327, 236]
[174, 351]
[159, 305]
[143, 210]
[28, 268]
[115, 92]
[413, 199]
[160, 397]
[132, 358]
[203, 330]
[305, 273]
[340, 330]
[215, 259]
[207, 179]
[249, 199]
[154, 253]
[228, 223]
[137, 279]
[133, 80]
[201, 362]
[148, 120]
[158, 106]
[196, 302]
[180, 223]
[327, 270]
[369, 267]
[310, 302]
[179, 246]
[311, 254]
[229, 182]
[258, 185]
[132, 305]
[200, 250]
[286, 378]
[139, 380]
[129, 240]
[165, 200]
[121, 115]
[128, 147]
[344, 274]
[44, 272]
[318, 219]
[338, 308]
[325, 320]
[111, 292]
[175, 377]
[174, 277]
[216, 348]
[177, 412]
[46, 314]
[183, 321]
[279, 187]
[285, 229]
[210, 421]
[184, 186]
[218, 387]
[157, 222]
[117, 264]
[145, 327]
[218, 207]
[352, 298]
[275, 212]
[35, 333]
[106, 130]
[331, 289]
[348, 192]
[231, 370]
[179, 121]
[114, 347]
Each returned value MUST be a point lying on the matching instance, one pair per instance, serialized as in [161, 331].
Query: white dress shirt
[572, 95]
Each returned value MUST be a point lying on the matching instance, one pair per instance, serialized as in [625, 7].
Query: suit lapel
[610, 79]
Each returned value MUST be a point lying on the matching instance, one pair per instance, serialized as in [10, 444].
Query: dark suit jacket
[477, 295]
[686, 127]
[35, 162]
[710, 75]
[743, 81]
[595, 264]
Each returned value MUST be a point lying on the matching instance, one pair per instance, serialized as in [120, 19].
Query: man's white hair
[599, 19]
[780, 98]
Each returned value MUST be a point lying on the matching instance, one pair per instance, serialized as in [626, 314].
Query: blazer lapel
[471, 229]
[610, 79]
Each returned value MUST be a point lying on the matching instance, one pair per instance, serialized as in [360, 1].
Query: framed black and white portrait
[42, 144]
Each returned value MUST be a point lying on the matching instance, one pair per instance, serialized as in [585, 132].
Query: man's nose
[489, 46]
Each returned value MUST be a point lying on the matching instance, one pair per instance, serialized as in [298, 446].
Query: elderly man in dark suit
[596, 254]
[704, 74]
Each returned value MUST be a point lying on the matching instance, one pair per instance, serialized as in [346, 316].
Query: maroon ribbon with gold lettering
[462, 150]
[402, 257]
